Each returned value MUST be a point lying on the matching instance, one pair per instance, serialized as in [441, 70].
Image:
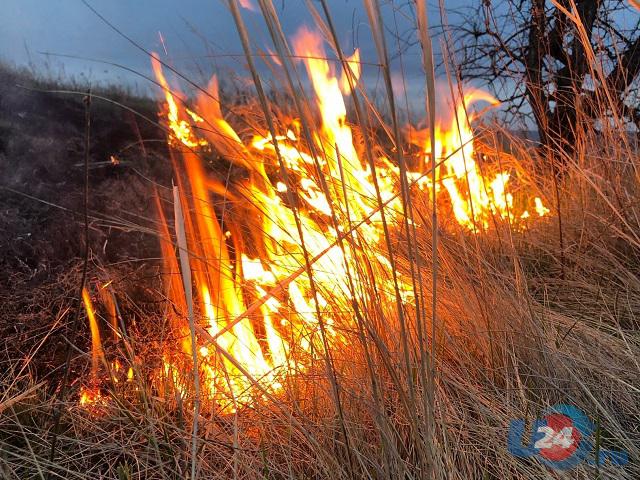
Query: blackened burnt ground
[42, 135]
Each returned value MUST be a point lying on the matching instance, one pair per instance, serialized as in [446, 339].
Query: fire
[97, 354]
[476, 197]
[91, 394]
[91, 397]
[353, 73]
[273, 270]
[106, 296]
[288, 299]
[541, 210]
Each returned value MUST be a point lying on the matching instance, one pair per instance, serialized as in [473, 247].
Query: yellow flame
[327, 189]
[351, 73]
[97, 354]
[541, 210]
[91, 397]
[178, 126]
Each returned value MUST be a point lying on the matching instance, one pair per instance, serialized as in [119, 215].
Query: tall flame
[476, 197]
[273, 270]
[97, 354]
[90, 394]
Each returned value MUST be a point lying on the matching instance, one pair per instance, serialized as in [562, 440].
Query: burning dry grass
[357, 382]
[510, 342]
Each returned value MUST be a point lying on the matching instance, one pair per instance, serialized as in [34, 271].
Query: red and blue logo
[561, 439]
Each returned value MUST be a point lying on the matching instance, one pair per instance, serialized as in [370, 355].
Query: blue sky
[199, 35]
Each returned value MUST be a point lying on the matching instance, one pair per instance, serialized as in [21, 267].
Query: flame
[97, 354]
[91, 397]
[107, 299]
[91, 394]
[274, 269]
[179, 126]
[541, 210]
[351, 73]
[476, 197]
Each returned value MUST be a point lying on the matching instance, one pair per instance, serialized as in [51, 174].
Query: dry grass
[524, 321]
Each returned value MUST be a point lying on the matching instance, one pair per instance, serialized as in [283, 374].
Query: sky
[199, 36]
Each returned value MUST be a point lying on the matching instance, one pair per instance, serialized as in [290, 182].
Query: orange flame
[97, 354]
[91, 397]
[273, 278]
[107, 299]
[476, 197]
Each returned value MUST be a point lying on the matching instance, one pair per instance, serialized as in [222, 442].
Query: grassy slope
[41, 177]
[518, 331]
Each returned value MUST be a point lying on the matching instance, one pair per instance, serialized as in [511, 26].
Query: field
[181, 296]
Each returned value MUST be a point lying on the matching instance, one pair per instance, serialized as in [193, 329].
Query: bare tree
[563, 62]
